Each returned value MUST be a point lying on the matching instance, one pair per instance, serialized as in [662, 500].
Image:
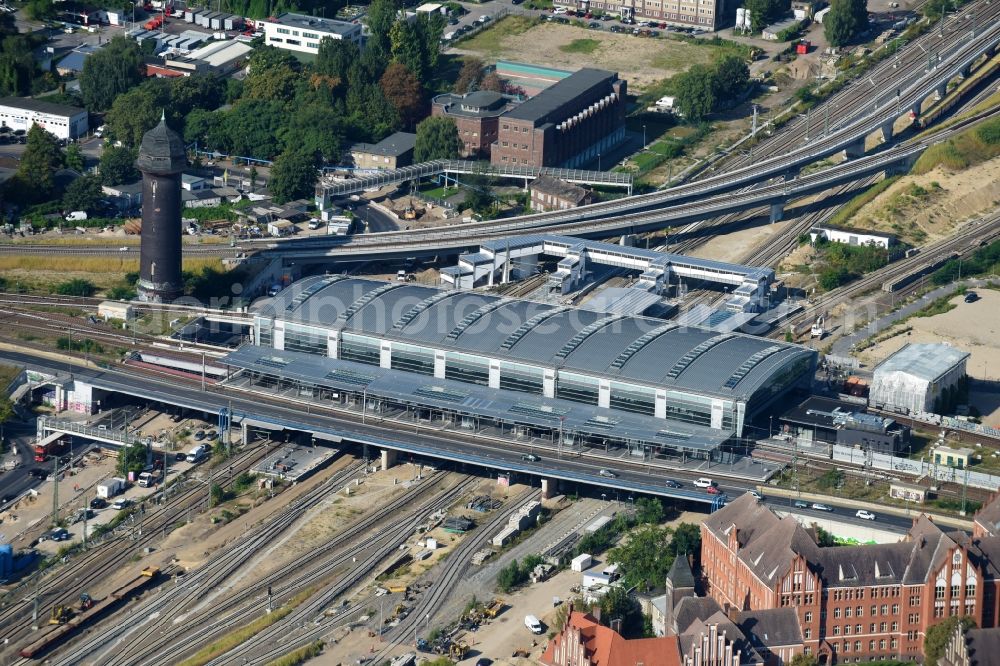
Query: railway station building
[522, 368]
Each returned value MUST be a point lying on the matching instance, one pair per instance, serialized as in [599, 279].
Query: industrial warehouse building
[64, 122]
[566, 125]
[919, 378]
[705, 14]
[526, 368]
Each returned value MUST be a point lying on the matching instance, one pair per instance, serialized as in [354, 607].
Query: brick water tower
[161, 161]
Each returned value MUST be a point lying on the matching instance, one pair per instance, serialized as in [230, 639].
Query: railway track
[281, 637]
[964, 242]
[82, 573]
[445, 579]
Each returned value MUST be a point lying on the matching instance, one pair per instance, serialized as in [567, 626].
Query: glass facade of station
[669, 404]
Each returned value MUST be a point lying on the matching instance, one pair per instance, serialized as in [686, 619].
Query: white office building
[298, 32]
[65, 122]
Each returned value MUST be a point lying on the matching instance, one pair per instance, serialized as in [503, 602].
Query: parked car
[865, 515]
[200, 435]
[83, 514]
[607, 473]
[971, 297]
[670, 483]
[801, 504]
[122, 503]
[819, 506]
[530, 457]
[98, 503]
[594, 25]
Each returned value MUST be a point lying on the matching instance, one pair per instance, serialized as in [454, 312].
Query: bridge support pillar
[886, 130]
[939, 92]
[856, 149]
[388, 459]
[777, 212]
[965, 72]
[550, 488]
[790, 175]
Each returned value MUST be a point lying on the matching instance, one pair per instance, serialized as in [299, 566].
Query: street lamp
[644, 137]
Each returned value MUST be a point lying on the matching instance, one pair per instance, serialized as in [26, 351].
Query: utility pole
[55, 490]
[203, 371]
[34, 610]
[86, 508]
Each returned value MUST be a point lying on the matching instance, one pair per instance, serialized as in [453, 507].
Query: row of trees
[300, 116]
[19, 71]
[707, 88]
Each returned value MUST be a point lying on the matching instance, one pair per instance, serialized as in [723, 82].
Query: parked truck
[111, 487]
[532, 623]
[51, 446]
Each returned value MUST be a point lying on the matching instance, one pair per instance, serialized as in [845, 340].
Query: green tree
[407, 49]
[273, 83]
[74, 158]
[132, 458]
[218, 495]
[111, 71]
[938, 636]
[429, 29]
[649, 510]
[335, 57]
[251, 129]
[645, 558]
[203, 127]
[117, 165]
[84, 193]
[137, 111]
[402, 89]
[695, 90]
[316, 129]
[293, 176]
[764, 12]
[617, 604]
[437, 139]
[731, 77]
[935, 9]
[34, 179]
[845, 21]
[381, 17]
[370, 113]
[200, 91]
[686, 540]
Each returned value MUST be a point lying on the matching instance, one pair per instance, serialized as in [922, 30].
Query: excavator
[63, 614]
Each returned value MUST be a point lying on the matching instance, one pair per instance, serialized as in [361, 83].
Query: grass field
[585, 46]
[40, 273]
[640, 61]
[971, 147]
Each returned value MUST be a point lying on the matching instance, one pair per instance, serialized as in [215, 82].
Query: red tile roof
[605, 647]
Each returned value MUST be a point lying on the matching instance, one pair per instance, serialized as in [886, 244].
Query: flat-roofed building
[566, 125]
[392, 152]
[477, 117]
[704, 14]
[60, 120]
[298, 32]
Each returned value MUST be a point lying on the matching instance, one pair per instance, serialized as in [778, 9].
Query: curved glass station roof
[634, 349]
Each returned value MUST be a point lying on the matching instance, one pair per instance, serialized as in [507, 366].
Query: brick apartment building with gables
[566, 125]
[853, 603]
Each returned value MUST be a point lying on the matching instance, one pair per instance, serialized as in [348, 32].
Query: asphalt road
[630, 477]
[376, 220]
[17, 481]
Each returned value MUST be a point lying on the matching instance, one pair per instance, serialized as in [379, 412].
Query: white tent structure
[912, 379]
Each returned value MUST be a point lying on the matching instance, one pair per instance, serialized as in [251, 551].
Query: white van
[704, 482]
[532, 623]
[197, 454]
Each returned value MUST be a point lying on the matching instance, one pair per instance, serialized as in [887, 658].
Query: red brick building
[853, 603]
[585, 642]
[477, 116]
[566, 125]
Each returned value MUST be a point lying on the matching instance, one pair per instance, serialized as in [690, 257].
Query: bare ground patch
[638, 61]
